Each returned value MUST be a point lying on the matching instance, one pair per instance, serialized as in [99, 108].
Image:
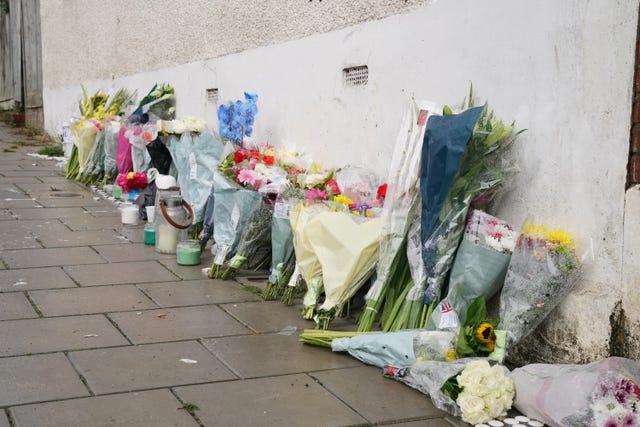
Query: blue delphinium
[236, 118]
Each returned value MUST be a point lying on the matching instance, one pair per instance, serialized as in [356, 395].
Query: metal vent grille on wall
[356, 76]
[213, 95]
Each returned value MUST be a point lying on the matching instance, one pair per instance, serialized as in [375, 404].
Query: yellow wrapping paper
[346, 247]
[83, 135]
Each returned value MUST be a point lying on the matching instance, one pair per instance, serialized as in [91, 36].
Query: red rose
[239, 156]
[382, 192]
[269, 160]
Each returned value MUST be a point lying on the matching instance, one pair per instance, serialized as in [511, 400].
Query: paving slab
[10, 191]
[57, 334]
[385, 400]
[263, 355]
[34, 278]
[40, 213]
[99, 299]
[269, 316]
[36, 173]
[5, 214]
[18, 203]
[89, 222]
[38, 187]
[148, 366]
[4, 421]
[15, 305]
[55, 178]
[432, 422]
[67, 202]
[32, 227]
[57, 239]
[119, 273]
[17, 238]
[174, 324]
[196, 292]
[130, 252]
[103, 210]
[135, 234]
[189, 272]
[21, 179]
[157, 408]
[38, 378]
[25, 258]
[269, 402]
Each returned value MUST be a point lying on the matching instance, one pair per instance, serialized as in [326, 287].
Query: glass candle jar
[188, 252]
[150, 234]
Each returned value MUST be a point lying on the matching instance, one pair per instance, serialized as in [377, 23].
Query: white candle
[166, 239]
[129, 214]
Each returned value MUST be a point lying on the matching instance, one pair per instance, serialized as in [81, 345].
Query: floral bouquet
[307, 261]
[236, 119]
[543, 269]
[84, 135]
[347, 247]
[111, 130]
[281, 248]
[159, 102]
[132, 181]
[139, 136]
[196, 156]
[479, 268]
[401, 198]
[468, 388]
[256, 236]
[180, 126]
[605, 393]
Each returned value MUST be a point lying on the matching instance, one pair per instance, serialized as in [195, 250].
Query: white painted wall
[563, 70]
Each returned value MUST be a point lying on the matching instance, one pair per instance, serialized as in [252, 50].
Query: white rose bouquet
[467, 388]
[481, 391]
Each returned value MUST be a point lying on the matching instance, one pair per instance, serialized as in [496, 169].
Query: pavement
[97, 329]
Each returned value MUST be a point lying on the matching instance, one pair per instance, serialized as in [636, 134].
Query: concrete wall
[563, 70]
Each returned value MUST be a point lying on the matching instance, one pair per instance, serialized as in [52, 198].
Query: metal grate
[356, 76]
[213, 95]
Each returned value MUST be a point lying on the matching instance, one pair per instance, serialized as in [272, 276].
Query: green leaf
[477, 312]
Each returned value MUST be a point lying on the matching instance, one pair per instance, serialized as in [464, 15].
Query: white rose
[178, 126]
[472, 408]
[194, 124]
[313, 179]
[493, 405]
[478, 389]
[473, 373]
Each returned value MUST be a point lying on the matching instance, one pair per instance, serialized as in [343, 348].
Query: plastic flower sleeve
[232, 208]
[543, 269]
[111, 131]
[479, 268]
[306, 259]
[380, 348]
[400, 204]
[359, 184]
[196, 157]
[281, 248]
[125, 164]
[139, 155]
[601, 393]
[428, 377]
[256, 236]
[347, 247]
[84, 136]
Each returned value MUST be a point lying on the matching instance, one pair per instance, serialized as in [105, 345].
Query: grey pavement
[97, 329]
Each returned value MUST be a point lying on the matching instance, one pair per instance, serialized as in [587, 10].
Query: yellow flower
[485, 334]
[130, 175]
[534, 230]
[561, 238]
[342, 199]
[451, 355]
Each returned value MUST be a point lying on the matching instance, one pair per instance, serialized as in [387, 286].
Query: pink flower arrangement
[132, 181]
[249, 177]
[315, 194]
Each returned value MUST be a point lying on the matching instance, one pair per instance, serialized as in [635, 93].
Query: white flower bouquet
[468, 388]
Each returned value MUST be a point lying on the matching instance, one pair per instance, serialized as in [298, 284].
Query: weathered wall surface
[563, 70]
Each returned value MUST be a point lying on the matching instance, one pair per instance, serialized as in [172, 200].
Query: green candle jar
[188, 252]
[149, 234]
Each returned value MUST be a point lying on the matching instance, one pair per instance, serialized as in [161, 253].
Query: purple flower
[611, 422]
[629, 420]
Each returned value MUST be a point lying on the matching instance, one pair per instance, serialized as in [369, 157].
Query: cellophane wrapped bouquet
[605, 393]
[543, 269]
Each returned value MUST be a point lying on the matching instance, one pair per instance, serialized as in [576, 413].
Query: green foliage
[52, 151]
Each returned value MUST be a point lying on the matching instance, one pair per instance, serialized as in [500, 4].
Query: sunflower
[486, 335]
